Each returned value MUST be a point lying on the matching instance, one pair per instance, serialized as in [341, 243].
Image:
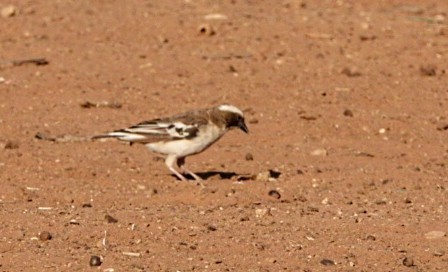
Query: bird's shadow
[221, 174]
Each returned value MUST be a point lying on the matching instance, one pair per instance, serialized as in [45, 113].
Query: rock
[274, 194]
[408, 262]
[11, 145]
[351, 72]
[212, 228]
[439, 253]
[8, 11]
[319, 152]
[253, 121]
[95, 261]
[206, 29]
[442, 126]
[270, 175]
[249, 157]
[45, 236]
[110, 219]
[428, 70]
[262, 212]
[263, 177]
[327, 262]
[215, 16]
[348, 113]
[435, 234]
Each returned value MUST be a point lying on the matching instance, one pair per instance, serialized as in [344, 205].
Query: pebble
[8, 11]
[11, 145]
[45, 236]
[95, 261]
[319, 152]
[263, 176]
[262, 212]
[439, 253]
[249, 157]
[442, 126]
[351, 72]
[206, 29]
[435, 234]
[428, 70]
[274, 194]
[348, 113]
[215, 16]
[408, 262]
[110, 219]
[212, 228]
[327, 262]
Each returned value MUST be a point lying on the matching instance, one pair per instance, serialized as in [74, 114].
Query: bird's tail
[122, 135]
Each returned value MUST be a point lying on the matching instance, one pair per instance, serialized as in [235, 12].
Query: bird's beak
[242, 126]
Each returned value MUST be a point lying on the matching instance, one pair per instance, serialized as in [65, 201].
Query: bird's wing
[185, 126]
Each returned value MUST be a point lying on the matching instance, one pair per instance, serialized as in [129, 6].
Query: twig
[11, 63]
[132, 254]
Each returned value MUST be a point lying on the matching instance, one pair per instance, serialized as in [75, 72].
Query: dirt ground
[347, 106]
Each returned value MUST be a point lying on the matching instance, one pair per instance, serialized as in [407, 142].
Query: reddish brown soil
[348, 100]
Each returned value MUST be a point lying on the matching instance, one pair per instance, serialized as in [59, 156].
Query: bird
[183, 135]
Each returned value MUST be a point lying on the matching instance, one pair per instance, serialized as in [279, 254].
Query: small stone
[439, 253]
[206, 29]
[8, 11]
[274, 174]
[264, 176]
[435, 234]
[274, 194]
[212, 228]
[95, 261]
[253, 121]
[87, 205]
[110, 219]
[319, 152]
[428, 70]
[348, 113]
[215, 16]
[381, 202]
[11, 145]
[327, 262]
[262, 212]
[442, 126]
[312, 209]
[45, 236]
[370, 237]
[351, 72]
[249, 157]
[408, 262]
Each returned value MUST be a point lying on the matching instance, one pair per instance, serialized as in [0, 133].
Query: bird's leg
[181, 164]
[170, 161]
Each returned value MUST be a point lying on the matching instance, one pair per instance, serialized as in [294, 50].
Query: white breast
[206, 136]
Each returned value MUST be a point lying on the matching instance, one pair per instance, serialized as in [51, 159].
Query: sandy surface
[347, 103]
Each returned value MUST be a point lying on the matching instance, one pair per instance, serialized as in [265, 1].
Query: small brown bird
[184, 134]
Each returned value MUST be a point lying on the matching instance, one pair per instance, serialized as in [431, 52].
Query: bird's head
[233, 117]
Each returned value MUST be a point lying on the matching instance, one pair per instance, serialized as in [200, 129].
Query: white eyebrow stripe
[230, 108]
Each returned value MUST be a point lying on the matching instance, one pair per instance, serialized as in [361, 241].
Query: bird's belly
[185, 147]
